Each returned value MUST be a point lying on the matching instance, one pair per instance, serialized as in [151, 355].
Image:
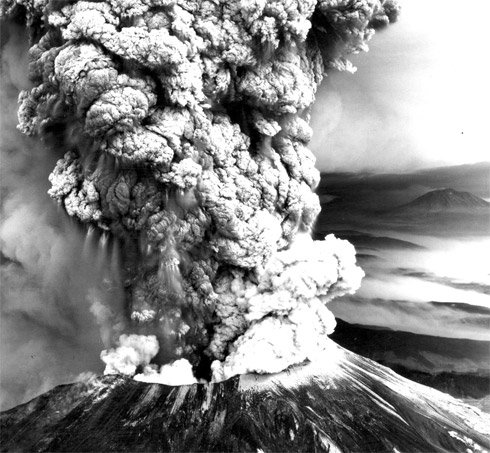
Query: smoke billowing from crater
[183, 130]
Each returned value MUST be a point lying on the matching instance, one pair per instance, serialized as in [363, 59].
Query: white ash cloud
[185, 129]
[284, 318]
[135, 352]
[178, 372]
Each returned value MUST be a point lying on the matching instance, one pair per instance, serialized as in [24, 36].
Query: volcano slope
[345, 403]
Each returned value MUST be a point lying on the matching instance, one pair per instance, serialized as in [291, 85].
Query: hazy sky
[420, 97]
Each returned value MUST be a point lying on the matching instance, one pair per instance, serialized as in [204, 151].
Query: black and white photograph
[244, 226]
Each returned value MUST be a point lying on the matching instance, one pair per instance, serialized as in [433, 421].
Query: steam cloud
[184, 129]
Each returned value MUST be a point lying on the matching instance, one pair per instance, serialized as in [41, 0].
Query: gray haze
[57, 290]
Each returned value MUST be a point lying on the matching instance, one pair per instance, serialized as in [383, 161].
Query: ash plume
[184, 128]
[61, 298]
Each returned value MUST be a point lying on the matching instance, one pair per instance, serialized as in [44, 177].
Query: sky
[419, 99]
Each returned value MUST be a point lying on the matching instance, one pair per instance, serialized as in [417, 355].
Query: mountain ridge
[459, 367]
[443, 200]
[342, 403]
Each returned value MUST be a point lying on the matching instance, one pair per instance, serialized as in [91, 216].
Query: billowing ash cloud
[185, 131]
[133, 351]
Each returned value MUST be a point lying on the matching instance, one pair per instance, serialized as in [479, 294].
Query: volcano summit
[342, 402]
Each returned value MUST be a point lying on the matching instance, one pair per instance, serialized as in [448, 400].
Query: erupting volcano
[181, 132]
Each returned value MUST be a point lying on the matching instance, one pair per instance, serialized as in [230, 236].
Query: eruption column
[184, 128]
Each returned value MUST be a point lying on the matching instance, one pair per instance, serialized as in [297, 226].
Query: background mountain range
[423, 240]
[443, 200]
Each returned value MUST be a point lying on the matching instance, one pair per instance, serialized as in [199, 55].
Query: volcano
[444, 200]
[341, 402]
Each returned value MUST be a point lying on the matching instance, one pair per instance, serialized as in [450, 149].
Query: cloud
[450, 320]
[184, 140]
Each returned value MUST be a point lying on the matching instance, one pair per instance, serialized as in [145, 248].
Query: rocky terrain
[458, 366]
[342, 402]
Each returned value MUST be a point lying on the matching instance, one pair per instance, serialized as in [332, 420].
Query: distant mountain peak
[445, 200]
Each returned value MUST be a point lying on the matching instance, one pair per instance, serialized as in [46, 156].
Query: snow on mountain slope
[341, 402]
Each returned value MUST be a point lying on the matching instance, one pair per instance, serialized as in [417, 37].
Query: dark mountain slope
[460, 367]
[348, 403]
